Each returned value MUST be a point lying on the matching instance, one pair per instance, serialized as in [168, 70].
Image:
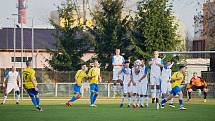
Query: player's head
[28, 63]
[142, 60]
[195, 74]
[182, 68]
[168, 63]
[117, 51]
[96, 63]
[13, 68]
[126, 64]
[84, 67]
[156, 54]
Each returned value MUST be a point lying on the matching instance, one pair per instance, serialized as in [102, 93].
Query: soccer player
[94, 79]
[79, 78]
[155, 64]
[136, 75]
[30, 84]
[117, 62]
[127, 87]
[197, 82]
[13, 82]
[176, 80]
[165, 81]
[143, 85]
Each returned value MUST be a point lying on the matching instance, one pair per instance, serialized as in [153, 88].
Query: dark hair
[28, 62]
[126, 62]
[181, 66]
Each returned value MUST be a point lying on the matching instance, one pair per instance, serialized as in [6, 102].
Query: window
[19, 59]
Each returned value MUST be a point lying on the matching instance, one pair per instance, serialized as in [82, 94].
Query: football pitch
[107, 110]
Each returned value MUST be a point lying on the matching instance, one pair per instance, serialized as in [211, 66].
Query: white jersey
[166, 74]
[155, 69]
[137, 77]
[126, 75]
[144, 70]
[118, 60]
[12, 77]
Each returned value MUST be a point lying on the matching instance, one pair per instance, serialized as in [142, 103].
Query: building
[209, 24]
[43, 40]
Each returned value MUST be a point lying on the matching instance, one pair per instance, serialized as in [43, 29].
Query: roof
[43, 38]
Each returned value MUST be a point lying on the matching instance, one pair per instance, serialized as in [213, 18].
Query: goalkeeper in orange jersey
[197, 82]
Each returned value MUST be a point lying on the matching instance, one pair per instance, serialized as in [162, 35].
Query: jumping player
[127, 87]
[79, 78]
[176, 80]
[30, 84]
[155, 64]
[13, 82]
[117, 62]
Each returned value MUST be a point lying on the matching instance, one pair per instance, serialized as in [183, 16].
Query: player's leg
[96, 93]
[76, 95]
[153, 88]
[180, 98]
[173, 92]
[8, 90]
[158, 94]
[140, 92]
[145, 93]
[115, 78]
[17, 93]
[125, 91]
[205, 94]
[34, 98]
[129, 99]
[92, 93]
[134, 96]
[129, 95]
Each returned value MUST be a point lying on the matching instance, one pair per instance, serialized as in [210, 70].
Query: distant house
[43, 39]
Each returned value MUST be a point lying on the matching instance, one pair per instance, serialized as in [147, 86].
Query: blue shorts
[32, 92]
[94, 87]
[77, 88]
[175, 90]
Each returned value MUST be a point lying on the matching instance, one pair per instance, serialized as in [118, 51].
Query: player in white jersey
[155, 64]
[127, 87]
[13, 82]
[117, 62]
[165, 81]
[142, 85]
[136, 76]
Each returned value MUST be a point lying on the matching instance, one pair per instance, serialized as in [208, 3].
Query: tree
[72, 41]
[112, 29]
[154, 27]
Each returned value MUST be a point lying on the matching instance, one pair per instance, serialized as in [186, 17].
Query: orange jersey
[197, 81]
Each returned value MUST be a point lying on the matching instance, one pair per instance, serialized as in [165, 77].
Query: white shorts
[134, 89]
[12, 86]
[166, 87]
[116, 75]
[154, 80]
[142, 89]
[127, 89]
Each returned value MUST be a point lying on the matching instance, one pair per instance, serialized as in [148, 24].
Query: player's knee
[78, 96]
[17, 92]
[190, 90]
[205, 90]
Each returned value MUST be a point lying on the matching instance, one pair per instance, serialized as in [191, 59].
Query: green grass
[106, 111]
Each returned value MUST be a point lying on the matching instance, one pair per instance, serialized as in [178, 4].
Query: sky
[40, 11]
